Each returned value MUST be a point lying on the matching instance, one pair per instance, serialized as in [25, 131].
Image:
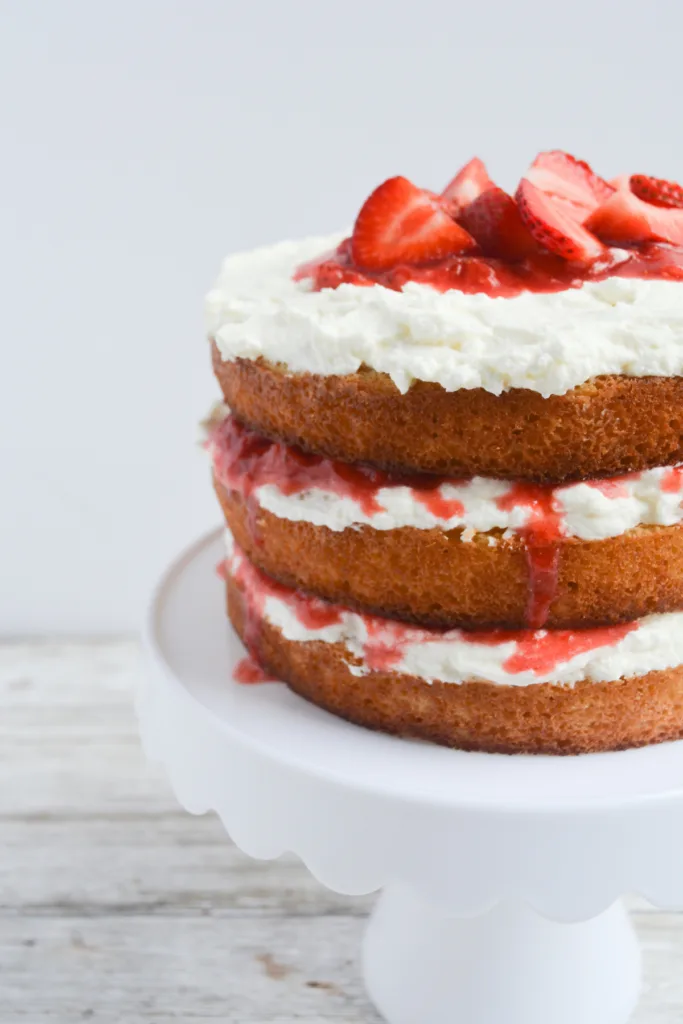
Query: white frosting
[656, 644]
[584, 510]
[546, 342]
[590, 511]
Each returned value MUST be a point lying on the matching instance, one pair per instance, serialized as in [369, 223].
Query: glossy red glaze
[248, 671]
[434, 502]
[244, 460]
[387, 641]
[537, 651]
[311, 612]
[542, 651]
[542, 536]
[672, 481]
[615, 487]
[543, 272]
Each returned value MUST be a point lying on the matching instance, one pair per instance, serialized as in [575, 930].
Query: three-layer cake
[452, 470]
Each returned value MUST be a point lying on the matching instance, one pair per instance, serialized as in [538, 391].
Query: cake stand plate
[501, 875]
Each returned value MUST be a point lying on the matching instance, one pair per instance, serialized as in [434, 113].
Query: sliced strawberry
[468, 183]
[495, 222]
[569, 181]
[554, 227]
[400, 223]
[657, 191]
[626, 219]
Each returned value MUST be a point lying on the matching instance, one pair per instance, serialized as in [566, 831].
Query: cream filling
[590, 511]
[655, 643]
[583, 509]
[545, 342]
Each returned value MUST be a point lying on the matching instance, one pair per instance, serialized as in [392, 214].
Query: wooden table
[118, 907]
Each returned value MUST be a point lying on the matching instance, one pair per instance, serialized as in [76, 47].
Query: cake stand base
[508, 966]
[464, 845]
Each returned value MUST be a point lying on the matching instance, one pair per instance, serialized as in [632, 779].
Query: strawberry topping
[569, 182]
[657, 191]
[494, 220]
[401, 223]
[554, 227]
[564, 226]
[627, 220]
[466, 186]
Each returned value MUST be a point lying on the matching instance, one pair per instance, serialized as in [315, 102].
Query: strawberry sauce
[615, 487]
[672, 482]
[543, 272]
[312, 612]
[541, 651]
[244, 461]
[536, 651]
[248, 671]
[542, 536]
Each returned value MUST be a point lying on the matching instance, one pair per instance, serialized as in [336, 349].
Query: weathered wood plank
[113, 970]
[267, 970]
[116, 906]
[175, 865]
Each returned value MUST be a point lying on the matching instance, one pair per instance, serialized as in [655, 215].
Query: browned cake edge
[433, 578]
[539, 719]
[607, 426]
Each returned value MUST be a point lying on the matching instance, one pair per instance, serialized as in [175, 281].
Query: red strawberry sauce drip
[543, 272]
[311, 612]
[672, 481]
[615, 487]
[536, 651]
[542, 535]
[248, 671]
[388, 639]
[540, 651]
[244, 460]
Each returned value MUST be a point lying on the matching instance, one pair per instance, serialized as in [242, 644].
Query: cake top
[572, 278]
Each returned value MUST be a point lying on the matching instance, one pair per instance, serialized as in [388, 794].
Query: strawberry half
[468, 183]
[626, 219]
[570, 182]
[495, 222]
[401, 223]
[554, 227]
[657, 191]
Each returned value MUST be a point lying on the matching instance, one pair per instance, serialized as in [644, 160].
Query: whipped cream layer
[545, 342]
[304, 488]
[505, 658]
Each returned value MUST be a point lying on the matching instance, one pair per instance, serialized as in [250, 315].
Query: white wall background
[141, 140]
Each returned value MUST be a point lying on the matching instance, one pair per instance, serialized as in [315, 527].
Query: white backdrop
[144, 139]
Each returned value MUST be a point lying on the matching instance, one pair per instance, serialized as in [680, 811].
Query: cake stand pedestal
[501, 876]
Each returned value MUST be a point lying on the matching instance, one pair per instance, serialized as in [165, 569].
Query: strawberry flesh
[466, 186]
[401, 223]
[627, 220]
[495, 222]
[555, 228]
[657, 191]
[570, 182]
[622, 181]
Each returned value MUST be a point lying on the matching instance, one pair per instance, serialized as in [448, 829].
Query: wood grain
[119, 908]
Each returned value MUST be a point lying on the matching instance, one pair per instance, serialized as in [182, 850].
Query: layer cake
[452, 464]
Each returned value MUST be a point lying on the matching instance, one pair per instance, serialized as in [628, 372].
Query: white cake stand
[501, 876]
